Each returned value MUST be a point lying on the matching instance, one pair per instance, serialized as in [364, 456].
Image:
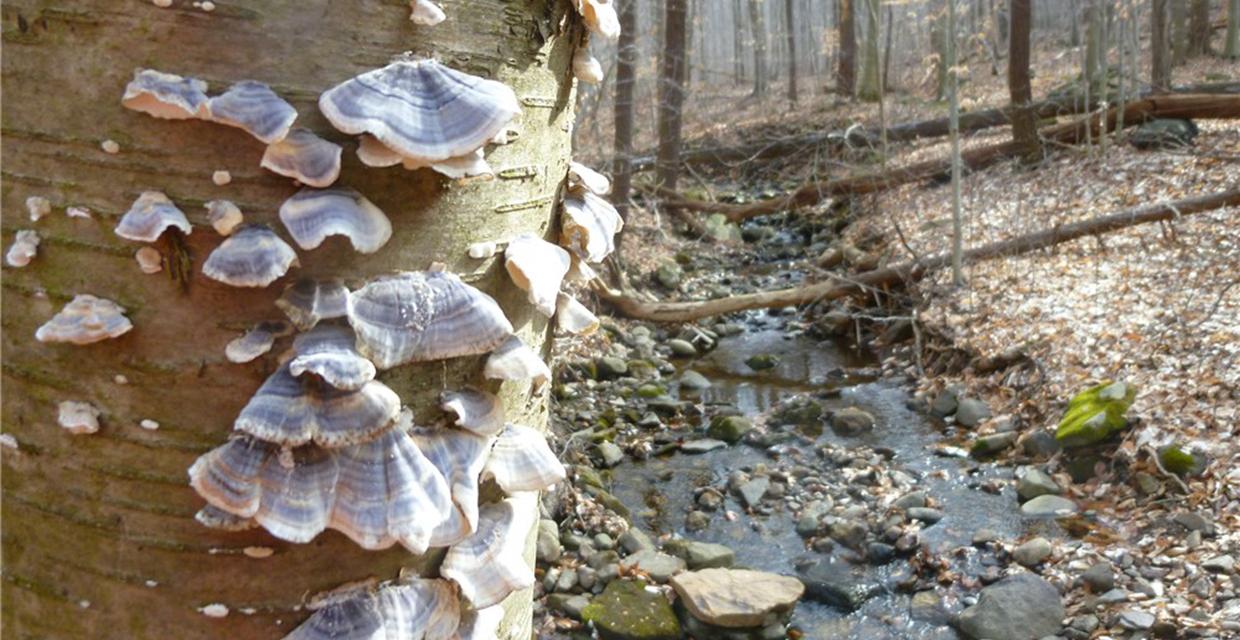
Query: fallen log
[1135, 112]
[913, 270]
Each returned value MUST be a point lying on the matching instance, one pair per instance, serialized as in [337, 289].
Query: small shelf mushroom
[304, 157]
[24, 248]
[78, 418]
[425, 608]
[37, 207]
[311, 215]
[600, 17]
[166, 95]
[490, 564]
[85, 320]
[254, 107]
[582, 178]
[586, 67]
[255, 342]
[307, 301]
[253, 256]
[459, 456]
[589, 226]
[476, 411]
[224, 216]
[426, 13]
[421, 109]
[424, 315]
[287, 412]
[514, 360]
[378, 493]
[373, 153]
[521, 460]
[328, 352]
[150, 216]
[149, 260]
[574, 317]
[537, 267]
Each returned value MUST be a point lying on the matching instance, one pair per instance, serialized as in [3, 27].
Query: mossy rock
[649, 390]
[1180, 462]
[763, 361]
[626, 611]
[730, 429]
[1095, 414]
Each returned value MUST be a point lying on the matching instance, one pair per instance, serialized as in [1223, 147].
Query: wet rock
[981, 537]
[762, 361]
[754, 490]
[610, 453]
[1099, 578]
[1020, 607]
[1181, 461]
[737, 598]
[566, 581]
[989, 445]
[693, 381]
[710, 499]
[925, 514]
[811, 517]
[945, 403]
[603, 542]
[1034, 482]
[702, 446]
[879, 553]
[682, 348]
[569, 604]
[669, 275]
[1033, 552]
[701, 555]
[730, 429]
[1039, 444]
[650, 390]
[927, 606]
[800, 410]
[634, 540]
[548, 548]
[832, 323]
[910, 500]
[666, 405]
[837, 584]
[852, 421]
[848, 532]
[1048, 506]
[971, 412]
[1220, 564]
[626, 610]
[696, 521]
[1135, 619]
[587, 577]
[659, 566]
[610, 368]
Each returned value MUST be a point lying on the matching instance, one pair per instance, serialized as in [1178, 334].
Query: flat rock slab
[626, 610]
[659, 566]
[1048, 506]
[702, 446]
[837, 584]
[737, 598]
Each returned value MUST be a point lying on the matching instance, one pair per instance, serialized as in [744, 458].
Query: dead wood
[903, 273]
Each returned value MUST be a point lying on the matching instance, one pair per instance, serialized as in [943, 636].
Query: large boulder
[627, 611]
[1019, 607]
[737, 598]
[1095, 414]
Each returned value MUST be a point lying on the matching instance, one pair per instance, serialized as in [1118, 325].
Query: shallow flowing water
[660, 491]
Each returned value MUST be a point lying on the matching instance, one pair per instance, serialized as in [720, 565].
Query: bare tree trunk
[1024, 126]
[791, 27]
[757, 27]
[847, 74]
[869, 88]
[738, 46]
[626, 80]
[99, 538]
[953, 105]
[1160, 51]
[671, 92]
[1200, 29]
[891, 27]
[938, 33]
[1179, 32]
[1231, 50]
[1093, 74]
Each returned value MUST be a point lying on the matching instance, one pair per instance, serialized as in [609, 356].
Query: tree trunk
[1199, 29]
[626, 79]
[757, 27]
[846, 81]
[938, 35]
[1160, 51]
[1093, 73]
[1179, 32]
[790, 25]
[869, 88]
[671, 92]
[99, 538]
[953, 105]
[738, 46]
[1231, 50]
[1024, 127]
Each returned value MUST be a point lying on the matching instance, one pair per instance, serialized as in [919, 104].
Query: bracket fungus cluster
[85, 320]
[420, 113]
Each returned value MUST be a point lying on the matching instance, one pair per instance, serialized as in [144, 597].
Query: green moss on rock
[627, 611]
[1096, 414]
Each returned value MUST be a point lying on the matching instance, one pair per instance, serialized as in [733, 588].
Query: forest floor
[1155, 306]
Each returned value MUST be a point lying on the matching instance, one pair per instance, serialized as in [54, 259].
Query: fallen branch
[1135, 112]
[914, 270]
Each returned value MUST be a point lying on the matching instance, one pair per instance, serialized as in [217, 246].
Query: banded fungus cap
[373, 153]
[287, 412]
[538, 268]
[311, 215]
[426, 13]
[574, 317]
[254, 107]
[419, 316]
[589, 225]
[490, 564]
[515, 360]
[521, 460]
[253, 256]
[480, 624]
[166, 95]
[328, 352]
[459, 457]
[255, 342]
[378, 493]
[215, 518]
[304, 157]
[149, 216]
[583, 178]
[224, 216]
[308, 301]
[421, 109]
[600, 17]
[476, 411]
[426, 608]
[85, 320]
